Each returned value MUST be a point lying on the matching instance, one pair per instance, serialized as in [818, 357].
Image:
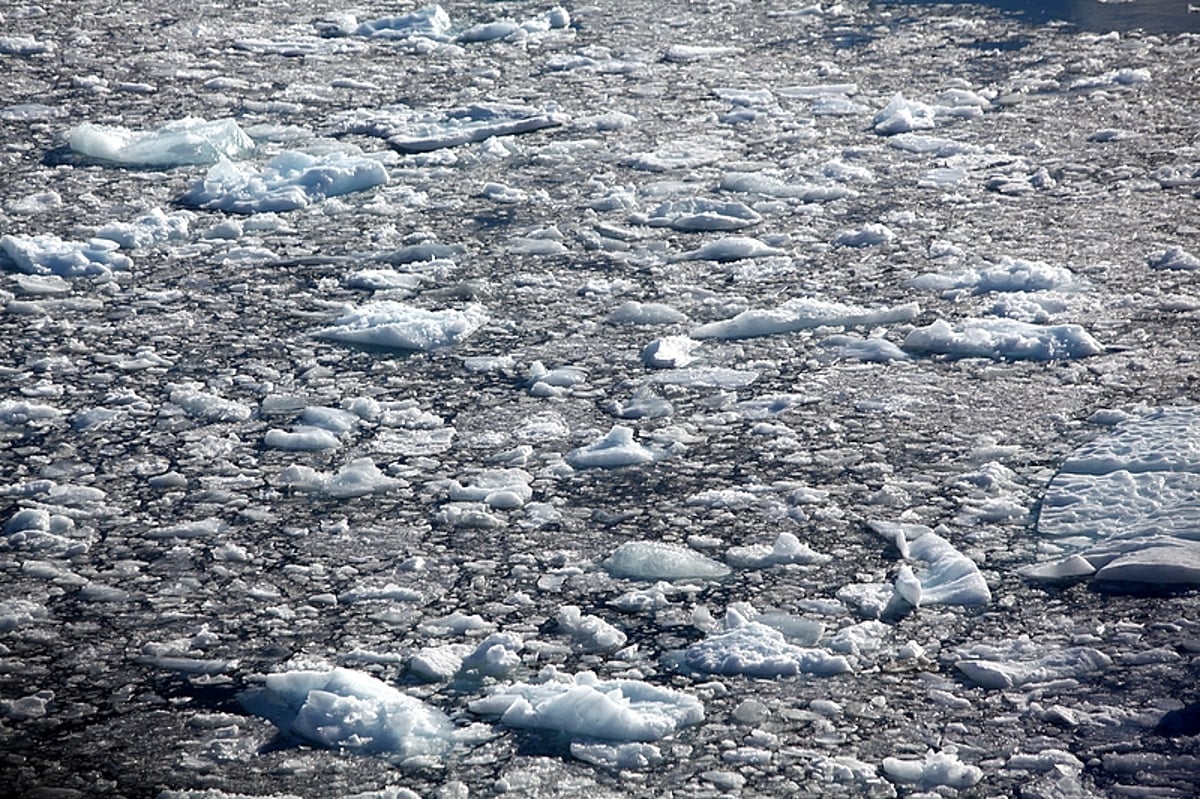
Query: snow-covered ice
[1009, 339]
[395, 325]
[804, 313]
[653, 560]
[289, 181]
[182, 142]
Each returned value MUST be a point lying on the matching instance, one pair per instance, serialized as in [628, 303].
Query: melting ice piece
[395, 325]
[754, 649]
[949, 577]
[1020, 663]
[346, 709]
[289, 181]
[936, 769]
[499, 488]
[616, 449]
[1003, 339]
[1174, 258]
[870, 350]
[654, 560]
[801, 314]
[411, 131]
[698, 214]
[1126, 507]
[645, 313]
[46, 254]
[184, 142]
[1009, 274]
[584, 705]
[731, 248]
[152, 227]
[430, 22]
[669, 352]
[786, 549]
[590, 633]
[356, 479]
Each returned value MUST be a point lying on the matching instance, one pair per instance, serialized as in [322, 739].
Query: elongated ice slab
[289, 181]
[801, 314]
[346, 709]
[1126, 507]
[699, 214]
[1025, 663]
[655, 560]
[1008, 274]
[586, 706]
[395, 325]
[184, 142]
[412, 131]
[1003, 339]
[945, 575]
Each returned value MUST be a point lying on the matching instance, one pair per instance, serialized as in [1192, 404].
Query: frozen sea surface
[619, 399]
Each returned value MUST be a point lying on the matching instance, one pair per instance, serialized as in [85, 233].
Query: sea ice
[786, 549]
[184, 142]
[395, 325]
[948, 578]
[431, 22]
[871, 235]
[771, 186]
[936, 769]
[289, 181]
[1021, 663]
[804, 313]
[757, 650]
[47, 254]
[617, 448]
[699, 214]
[357, 478]
[870, 350]
[1174, 258]
[669, 352]
[1007, 275]
[1124, 507]
[153, 227]
[655, 560]
[584, 705]
[1003, 339]
[345, 709]
[633, 312]
[589, 633]
[731, 248]
[412, 131]
[504, 489]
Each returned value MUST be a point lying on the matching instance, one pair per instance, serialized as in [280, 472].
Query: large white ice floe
[655, 560]
[1006, 275]
[1003, 339]
[586, 706]
[184, 142]
[152, 227]
[47, 254]
[395, 325]
[412, 131]
[945, 576]
[699, 214]
[1126, 507]
[804, 313]
[289, 181]
[617, 448]
[346, 709]
[731, 248]
[758, 650]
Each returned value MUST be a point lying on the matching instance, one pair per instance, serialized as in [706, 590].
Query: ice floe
[47, 254]
[801, 314]
[1003, 339]
[1027, 664]
[731, 248]
[357, 478]
[414, 131]
[947, 577]
[699, 214]
[183, 142]
[586, 706]
[757, 650]
[617, 448]
[654, 560]
[934, 770]
[394, 325]
[1006, 275]
[289, 181]
[1124, 508]
[346, 709]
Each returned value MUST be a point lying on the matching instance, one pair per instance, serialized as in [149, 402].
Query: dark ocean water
[1153, 16]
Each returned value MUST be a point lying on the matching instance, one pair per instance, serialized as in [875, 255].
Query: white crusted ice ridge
[289, 181]
[757, 650]
[1003, 339]
[47, 254]
[801, 314]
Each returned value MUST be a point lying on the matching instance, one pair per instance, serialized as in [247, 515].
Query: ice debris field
[631, 399]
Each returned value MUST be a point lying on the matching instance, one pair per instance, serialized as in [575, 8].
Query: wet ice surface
[659, 399]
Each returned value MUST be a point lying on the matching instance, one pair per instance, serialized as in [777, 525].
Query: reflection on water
[1154, 16]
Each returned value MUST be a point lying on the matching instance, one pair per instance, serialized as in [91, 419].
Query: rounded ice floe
[503, 489]
[754, 649]
[616, 449]
[1003, 339]
[731, 248]
[210, 407]
[153, 227]
[289, 181]
[699, 214]
[1025, 664]
[771, 186]
[590, 633]
[934, 770]
[869, 350]
[431, 22]
[356, 479]
[345, 709]
[633, 312]
[655, 560]
[586, 706]
[1124, 507]
[804, 313]
[184, 142]
[303, 438]
[395, 325]
[871, 235]
[786, 549]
